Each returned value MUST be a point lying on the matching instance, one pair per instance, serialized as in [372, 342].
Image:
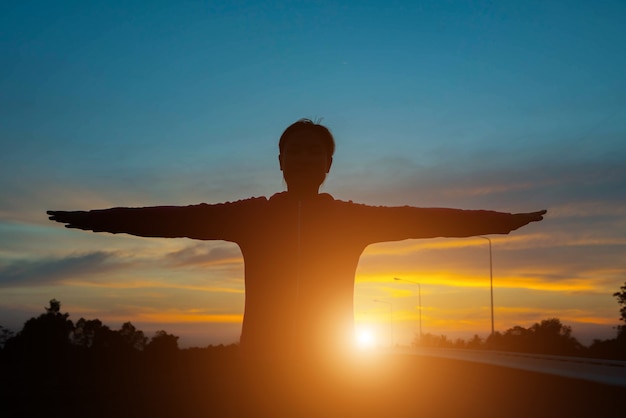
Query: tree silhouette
[552, 337]
[48, 334]
[86, 332]
[614, 348]
[162, 344]
[40, 359]
[55, 307]
[549, 336]
[133, 337]
[431, 340]
[475, 343]
[621, 300]
[5, 335]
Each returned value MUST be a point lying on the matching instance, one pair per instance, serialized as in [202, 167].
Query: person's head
[306, 154]
[310, 127]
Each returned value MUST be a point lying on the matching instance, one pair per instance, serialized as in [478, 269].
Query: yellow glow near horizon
[189, 317]
[472, 280]
[174, 316]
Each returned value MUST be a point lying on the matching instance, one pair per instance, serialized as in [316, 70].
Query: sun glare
[365, 339]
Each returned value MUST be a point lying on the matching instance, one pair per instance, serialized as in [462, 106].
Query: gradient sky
[504, 105]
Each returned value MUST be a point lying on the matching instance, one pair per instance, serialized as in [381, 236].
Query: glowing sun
[365, 339]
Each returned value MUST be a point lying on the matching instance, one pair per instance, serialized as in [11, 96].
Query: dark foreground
[195, 385]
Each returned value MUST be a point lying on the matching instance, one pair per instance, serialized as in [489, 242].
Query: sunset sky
[513, 106]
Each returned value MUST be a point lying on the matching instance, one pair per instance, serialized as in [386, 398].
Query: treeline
[53, 330]
[54, 367]
[549, 336]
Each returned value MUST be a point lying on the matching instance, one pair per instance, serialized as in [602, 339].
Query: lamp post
[490, 283]
[419, 297]
[390, 319]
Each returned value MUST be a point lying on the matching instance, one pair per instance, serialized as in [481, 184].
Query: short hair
[307, 125]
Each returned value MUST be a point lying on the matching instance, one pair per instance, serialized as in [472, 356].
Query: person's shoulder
[259, 199]
[251, 201]
[366, 208]
[278, 196]
[343, 206]
[345, 203]
[327, 197]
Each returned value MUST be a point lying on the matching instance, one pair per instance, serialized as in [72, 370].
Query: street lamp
[390, 319]
[419, 296]
[490, 282]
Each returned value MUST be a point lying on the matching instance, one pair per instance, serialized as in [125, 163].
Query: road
[464, 383]
[609, 372]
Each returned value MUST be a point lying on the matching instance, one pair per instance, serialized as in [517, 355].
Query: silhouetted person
[300, 248]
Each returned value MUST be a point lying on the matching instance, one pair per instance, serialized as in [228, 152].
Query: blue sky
[507, 105]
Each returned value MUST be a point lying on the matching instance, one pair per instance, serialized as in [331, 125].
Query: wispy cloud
[538, 183]
[205, 255]
[54, 270]
[161, 286]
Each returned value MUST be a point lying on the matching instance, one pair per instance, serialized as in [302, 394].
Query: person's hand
[535, 216]
[72, 219]
[521, 219]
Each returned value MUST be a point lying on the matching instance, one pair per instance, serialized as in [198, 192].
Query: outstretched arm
[398, 223]
[160, 221]
[455, 223]
[222, 221]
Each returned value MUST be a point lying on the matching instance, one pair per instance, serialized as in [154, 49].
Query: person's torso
[300, 261]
